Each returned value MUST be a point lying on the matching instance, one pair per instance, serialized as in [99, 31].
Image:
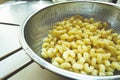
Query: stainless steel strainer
[37, 26]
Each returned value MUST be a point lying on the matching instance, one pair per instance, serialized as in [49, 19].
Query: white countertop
[15, 64]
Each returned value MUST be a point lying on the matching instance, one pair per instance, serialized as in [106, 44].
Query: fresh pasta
[83, 46]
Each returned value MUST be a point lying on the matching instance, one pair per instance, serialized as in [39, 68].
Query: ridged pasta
[83, 46]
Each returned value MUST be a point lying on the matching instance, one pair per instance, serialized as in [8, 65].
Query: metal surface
[81, 0]
[36, 27]
[16, 12]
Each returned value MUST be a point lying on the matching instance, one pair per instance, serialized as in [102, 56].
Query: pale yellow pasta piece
[86, 55]
[76, 70]
[93, 61]
[94, 41]
[70, 70]
[83, 72]
[77, 66]
[67, 44]
[67, 27]
[118, 48]
[69, 54]
[50, 52]
[87, 41]
[85, 35]
[60, 42]
[82, 60]
[58, 54]
[79, 48]
[79, 32]
[71, 32]
[87, 68]
[59, 48]
[109, 37]
[59, 27]
[101, 68]
[65, 48]
[44, 55]
[108, 73]
[71, 38]
[73, 45]
[46, 40]
[99, 58]
[101, 73]
[118, 42]
[64, 36]
[112, 48]
[107, 42]
[92, 51]
[91, 20]
[91, 68]
[94, 72]
[89, 48]
[77, 36]
[76, 51]
[54, 50]
[114, 34]
[93, 28]
[116, 65]
[113, 59]
[107, 63]
[118, 52]
[52, 43]
[65, 65]
[118, 58]
[105, 25]
[74, 22]
[72, 61]
[59, 60]
[101, 43]
[84, 49]
[100, 50]
[109, 69]
[79, 42]
[50, 36]
[44, 45]
[86, 20]
[106, 56]
[79, 55]
[55, 63]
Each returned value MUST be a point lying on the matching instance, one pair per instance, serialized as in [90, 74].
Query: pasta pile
[83, 46]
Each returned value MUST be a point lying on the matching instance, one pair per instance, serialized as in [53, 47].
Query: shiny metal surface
[36, 27]
[80, 0]
[16, 12]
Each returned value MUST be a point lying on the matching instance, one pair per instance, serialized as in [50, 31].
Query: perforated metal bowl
[36, 28]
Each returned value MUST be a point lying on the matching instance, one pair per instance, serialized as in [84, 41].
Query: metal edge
[47, 65]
